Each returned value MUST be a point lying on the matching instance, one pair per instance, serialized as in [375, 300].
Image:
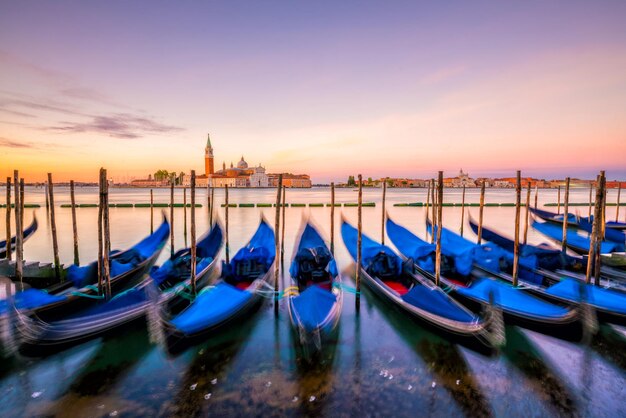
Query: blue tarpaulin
[603, 298]
[313, 306]
[432, 300]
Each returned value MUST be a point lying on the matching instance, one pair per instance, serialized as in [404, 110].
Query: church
[241, 175]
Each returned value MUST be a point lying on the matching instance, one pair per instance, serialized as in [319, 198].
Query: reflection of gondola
[386, 274]
[441, 357]
[522, 354]
[165, 287]
[232, 298]
[28, 232]
[314, 300]
[210, 367]
[80, 290]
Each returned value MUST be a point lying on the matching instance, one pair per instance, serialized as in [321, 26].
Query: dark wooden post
[226, 237]
[480, 212]
[527, 215]
[47, 202]
[53, 226]
[382, 235]
[19, 255]
[427, 207]
[619, 192]
[558, 201]
[151, 212]
[565, 214]
[590, 192]
[536, 194]
[600, 228]
[208, 199]
[107, 233]
[434, 208]
[74, 226]
[22, 209]
[172, 249]
[185, 214]
[212, 205]
[8, 219]
[518, 192]
[462, 210]
[277, 239]
[358, 242]
[594, 233]
[101, 285]
[332, 218]
[193, 231]
[439, 227]
[282, 235]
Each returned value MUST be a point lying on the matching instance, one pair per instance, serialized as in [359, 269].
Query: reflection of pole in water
[586, 379]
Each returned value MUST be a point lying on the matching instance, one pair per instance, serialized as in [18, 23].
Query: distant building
[241, 175]
[149, 182]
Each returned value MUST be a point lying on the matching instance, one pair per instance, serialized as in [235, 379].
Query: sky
[327, 88]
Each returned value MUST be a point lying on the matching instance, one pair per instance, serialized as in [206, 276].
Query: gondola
[166, 287]
[28, 232]
[575, 241]
[394, 281]
[613, 231]
[80, 290]
[239, 291]
[315, 296]
[475, 291]
[609, 304]
[550, 261]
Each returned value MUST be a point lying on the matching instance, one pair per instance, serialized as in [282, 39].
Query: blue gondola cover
[434, 301]
[313, 306]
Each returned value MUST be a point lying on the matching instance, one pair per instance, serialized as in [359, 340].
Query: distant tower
[208, 157]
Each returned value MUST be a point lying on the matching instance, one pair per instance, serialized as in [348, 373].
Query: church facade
[241, 175]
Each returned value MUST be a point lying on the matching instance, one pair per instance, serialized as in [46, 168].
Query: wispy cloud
[442, 74]
[10, 143]
[118, 125]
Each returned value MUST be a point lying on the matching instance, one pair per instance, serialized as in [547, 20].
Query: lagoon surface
[382, 364]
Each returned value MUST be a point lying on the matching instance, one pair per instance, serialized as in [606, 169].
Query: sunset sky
[328, 88]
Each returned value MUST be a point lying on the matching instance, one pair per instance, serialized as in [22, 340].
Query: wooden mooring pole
[22, 207]
[172, 247]
[282, 234]
[74, 226]
[212, 205]
[382, 234]
[600, 228]
[434, 209]
[590, 193]
[107, 233]
[19, 256]
[47, 202]
[359, 243]
[8, 220]
[480, 213]
[53, 226]
[101, 289]
[536, 195]
[185, 214]
[558, 201]
[332, 218]
[279, 187]
[151, 212]
[565, 215]
[462, 210]
[427, 207]
[518, 192]
[193, 231]
[594, 233]
[226, 235]
[619, 192]
[439, 227]
[527, 214]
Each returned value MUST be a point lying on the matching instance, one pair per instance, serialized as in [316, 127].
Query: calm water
[382, 364]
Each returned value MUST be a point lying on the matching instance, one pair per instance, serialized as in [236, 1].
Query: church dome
[242, 164]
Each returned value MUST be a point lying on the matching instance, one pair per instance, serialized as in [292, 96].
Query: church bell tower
[208, 157]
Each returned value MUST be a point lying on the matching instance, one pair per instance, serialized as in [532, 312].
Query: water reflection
[442, 358]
